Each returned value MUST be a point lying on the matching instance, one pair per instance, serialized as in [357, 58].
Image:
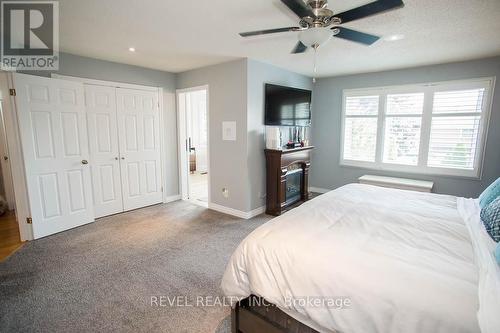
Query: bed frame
[256, 315]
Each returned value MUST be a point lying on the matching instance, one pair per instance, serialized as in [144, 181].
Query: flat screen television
[287, 106]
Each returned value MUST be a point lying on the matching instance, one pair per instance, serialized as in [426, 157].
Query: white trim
[256, 212]
[104, 83]
[23, 210]
[183, 160]
[6, 166]
[318, 190]
[428, 89]
[236, 212]
[408, 88]
[181, 147]
[163, 143]
[172, 198]
[483, 138]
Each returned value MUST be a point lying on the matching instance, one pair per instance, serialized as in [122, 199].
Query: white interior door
[139, 140]
[199, 128]
[100, 104]
[54, 142]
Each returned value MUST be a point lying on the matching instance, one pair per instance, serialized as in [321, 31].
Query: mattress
[364, 259]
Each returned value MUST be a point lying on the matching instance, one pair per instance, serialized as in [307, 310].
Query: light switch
[229, 131]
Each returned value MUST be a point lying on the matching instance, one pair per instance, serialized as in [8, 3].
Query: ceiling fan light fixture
[393, 38]
[315, 36]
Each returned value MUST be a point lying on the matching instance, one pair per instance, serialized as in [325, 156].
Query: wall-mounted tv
[287, 106]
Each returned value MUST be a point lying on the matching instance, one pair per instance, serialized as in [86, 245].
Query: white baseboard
[172, 198]
[318, 190]
[236, 212]
[257, 211]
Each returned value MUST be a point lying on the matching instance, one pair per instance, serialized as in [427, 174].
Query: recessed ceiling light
[393, 38]
[131, 49]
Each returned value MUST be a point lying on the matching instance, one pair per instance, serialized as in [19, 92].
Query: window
[403, 122]
[360, 138]
[430, 128]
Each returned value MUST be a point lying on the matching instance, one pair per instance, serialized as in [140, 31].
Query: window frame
[429, 89]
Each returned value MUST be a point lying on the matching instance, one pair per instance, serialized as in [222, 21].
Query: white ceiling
[180, 35]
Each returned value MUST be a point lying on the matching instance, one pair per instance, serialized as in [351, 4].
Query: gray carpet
[101, 277]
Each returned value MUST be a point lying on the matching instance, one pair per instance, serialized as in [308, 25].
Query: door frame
[5, 165]
[181, 139]
[23, 210]
[161, 106]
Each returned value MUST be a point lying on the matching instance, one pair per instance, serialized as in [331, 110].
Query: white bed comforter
[403, 259]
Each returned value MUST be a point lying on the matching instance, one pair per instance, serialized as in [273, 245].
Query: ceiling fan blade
[370, 9]
[269, 31]
[299, 48]
[299, 8]
[356, 36]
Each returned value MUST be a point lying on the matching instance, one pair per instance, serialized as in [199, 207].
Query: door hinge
[29, 220]
[12, 92]
[162, 188]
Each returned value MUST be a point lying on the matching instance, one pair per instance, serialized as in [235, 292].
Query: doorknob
[116, 158]
[123, 158]
[6, 158]
[85, 162]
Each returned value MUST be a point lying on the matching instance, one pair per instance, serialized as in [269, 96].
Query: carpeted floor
[101, 277]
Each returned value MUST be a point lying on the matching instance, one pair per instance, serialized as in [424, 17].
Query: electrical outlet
[225, 192]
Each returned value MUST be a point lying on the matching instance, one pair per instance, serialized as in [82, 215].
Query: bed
[365, 259]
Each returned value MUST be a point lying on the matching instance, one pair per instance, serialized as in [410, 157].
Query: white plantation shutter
[459, 101]
[403, 123]
[360, 128]
[456, 120]
[428, 128]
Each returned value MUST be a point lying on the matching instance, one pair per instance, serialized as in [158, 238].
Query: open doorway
[193, 144]
[10, 239]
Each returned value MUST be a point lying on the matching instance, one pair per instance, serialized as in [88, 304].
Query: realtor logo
[30, 35]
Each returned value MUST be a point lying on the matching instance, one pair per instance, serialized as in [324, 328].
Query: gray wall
[327, 102]
[259, 74]
[227, 84]
[74, 65]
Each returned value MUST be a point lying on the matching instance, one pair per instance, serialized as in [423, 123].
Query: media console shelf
[287, 178]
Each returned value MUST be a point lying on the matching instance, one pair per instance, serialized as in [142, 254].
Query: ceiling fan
[316, 18]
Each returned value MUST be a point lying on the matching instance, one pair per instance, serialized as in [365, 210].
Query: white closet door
[54, 142]
[139, 140]
[104, 153]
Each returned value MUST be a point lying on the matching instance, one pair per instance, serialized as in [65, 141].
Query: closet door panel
[138, 128]
[104, 149]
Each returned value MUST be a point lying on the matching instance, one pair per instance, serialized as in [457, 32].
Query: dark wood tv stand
[287, 178]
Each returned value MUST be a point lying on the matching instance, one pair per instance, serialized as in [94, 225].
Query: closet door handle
[116, 158]
[123, 158]
[85, 162]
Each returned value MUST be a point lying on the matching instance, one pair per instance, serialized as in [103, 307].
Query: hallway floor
[10, 240]
[198, 190]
